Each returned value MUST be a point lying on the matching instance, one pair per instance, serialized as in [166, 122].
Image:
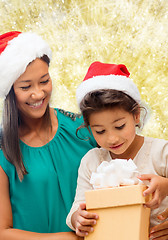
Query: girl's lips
[118, 146]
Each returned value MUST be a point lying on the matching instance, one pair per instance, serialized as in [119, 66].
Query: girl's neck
[133, 149]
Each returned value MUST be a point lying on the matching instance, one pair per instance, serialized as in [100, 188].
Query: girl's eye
[46, 81]
[100, 132]
[121, 127]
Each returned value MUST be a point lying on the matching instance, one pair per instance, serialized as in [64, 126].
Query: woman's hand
[158, 187]
[160, 231]
[83, 221]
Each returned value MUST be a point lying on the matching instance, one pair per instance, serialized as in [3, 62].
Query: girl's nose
[112, 138]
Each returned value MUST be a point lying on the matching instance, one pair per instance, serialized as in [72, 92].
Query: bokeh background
[131, 32]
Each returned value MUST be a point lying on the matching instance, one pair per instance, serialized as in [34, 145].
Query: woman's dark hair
[99, 100]
[10, 130]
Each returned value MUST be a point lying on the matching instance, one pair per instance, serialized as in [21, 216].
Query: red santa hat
[107, 76]
[17, 50]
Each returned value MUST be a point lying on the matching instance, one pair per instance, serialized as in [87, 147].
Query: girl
[111, 106]
[40, 152]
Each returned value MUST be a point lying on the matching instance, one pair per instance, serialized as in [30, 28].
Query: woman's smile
[36, 104]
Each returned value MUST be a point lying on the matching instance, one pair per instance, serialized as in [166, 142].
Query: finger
[86, 222]
[145, 176]
[81, 233]
[82, 206]
[160, 235]
[163, 215]
[159, 227]
[88, 215]
[85, 228]
[154, 203]
[149, 190]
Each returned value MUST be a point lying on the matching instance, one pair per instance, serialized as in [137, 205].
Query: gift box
[122, 215]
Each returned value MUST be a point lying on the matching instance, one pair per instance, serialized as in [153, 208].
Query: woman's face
[33, 89]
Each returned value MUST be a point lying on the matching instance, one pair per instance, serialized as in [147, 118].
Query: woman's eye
[121, 127]
[25, 88]
[100, 132]
[46, 81]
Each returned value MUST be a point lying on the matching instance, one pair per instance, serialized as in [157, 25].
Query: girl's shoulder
[155, 147]
[93, 158]
[155, 142]
[98, 154]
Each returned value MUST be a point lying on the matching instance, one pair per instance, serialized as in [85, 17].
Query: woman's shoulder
[5, 164]
[69, 124]
[71, 116]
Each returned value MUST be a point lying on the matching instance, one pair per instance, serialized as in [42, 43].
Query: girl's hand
[158, 187]
[83, 221]
[160, 232]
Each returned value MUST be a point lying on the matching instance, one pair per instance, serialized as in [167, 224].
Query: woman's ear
[137, 117]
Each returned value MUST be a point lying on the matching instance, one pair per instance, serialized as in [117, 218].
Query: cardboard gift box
[122, 215]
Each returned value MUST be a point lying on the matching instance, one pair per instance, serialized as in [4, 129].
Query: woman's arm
[7, 232]
[160, 231]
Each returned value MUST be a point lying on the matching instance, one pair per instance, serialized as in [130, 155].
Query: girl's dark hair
[10, 130]
[99, 100]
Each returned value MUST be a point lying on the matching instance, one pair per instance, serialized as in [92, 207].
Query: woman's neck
[38, 132]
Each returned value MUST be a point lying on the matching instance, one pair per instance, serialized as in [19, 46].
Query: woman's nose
[37, 93]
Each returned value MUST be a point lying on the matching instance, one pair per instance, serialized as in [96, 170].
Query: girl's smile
[117, 146]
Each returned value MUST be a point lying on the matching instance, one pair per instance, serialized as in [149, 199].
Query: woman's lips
[37, 104]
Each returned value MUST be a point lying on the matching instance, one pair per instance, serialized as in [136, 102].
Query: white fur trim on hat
[116, 82]
[19, 52]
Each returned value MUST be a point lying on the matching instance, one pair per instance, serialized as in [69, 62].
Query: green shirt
[41, 202]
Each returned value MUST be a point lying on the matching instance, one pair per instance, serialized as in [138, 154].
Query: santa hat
[17, 50]
[107, 76]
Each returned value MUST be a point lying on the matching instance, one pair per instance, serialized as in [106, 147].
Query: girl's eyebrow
[98, 125]
[118, 119]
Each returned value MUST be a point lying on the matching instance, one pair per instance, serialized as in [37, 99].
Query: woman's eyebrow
[30, 80]
[44, 75]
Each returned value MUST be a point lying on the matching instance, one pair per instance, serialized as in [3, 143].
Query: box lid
[117, 196]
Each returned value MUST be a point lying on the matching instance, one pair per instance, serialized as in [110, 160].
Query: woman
[40, 152]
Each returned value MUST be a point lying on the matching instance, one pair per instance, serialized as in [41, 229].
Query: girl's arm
[83, 221]
[158, 187]
[7, 232]
[78, 216]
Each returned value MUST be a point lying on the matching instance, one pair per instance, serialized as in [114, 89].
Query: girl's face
[114, 130]
[33, 89]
